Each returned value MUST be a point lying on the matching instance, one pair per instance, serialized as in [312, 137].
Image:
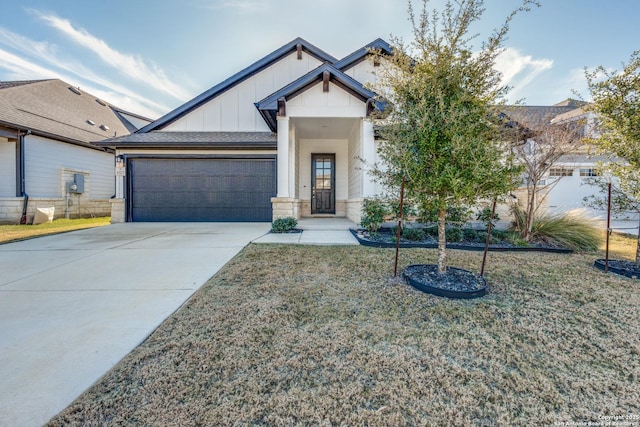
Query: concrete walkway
[316, 231]
[73, 305]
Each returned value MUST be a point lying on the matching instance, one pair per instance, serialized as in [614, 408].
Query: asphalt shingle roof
[55, 108]
[534, 117]
[157, 139]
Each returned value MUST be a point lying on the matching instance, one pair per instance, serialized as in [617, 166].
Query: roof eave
[183, 145]
[362, 53]
[49, 135]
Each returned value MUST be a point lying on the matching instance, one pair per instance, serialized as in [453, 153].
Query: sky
[151, 56]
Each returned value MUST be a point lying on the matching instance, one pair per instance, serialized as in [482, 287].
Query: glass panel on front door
[322, 185]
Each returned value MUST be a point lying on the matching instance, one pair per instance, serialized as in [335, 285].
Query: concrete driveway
[72, 305]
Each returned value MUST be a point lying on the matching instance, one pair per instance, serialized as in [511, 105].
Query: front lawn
[317, 335]
[14, 232]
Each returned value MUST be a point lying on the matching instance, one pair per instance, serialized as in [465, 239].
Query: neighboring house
[283, 137]
[565, 186]
[46, 130]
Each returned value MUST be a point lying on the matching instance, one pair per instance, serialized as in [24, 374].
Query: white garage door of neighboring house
[188, 189]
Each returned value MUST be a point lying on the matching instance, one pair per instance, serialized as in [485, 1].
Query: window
[588, 172]
[555, 172]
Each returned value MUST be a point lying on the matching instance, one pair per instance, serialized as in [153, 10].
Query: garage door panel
[201, 189]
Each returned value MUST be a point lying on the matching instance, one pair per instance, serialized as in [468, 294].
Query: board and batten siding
[364, 72]
[234, 109]
[7, 168]
[316, 103]
[46, 159]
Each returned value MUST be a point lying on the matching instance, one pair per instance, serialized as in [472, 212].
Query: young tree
[625, 194]
[616, 103]
[541, 150]
[442, 132]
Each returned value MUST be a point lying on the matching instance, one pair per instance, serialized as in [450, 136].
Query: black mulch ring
[624, 268]
[386, 240]
[455, 283]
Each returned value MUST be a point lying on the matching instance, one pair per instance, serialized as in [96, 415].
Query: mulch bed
[455, 283]
[624, 268]
[386, 239]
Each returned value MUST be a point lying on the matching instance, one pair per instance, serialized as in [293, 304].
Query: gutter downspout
[21, 175]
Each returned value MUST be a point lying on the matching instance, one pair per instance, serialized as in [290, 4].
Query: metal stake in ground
[606, 250]
[399, 230]
[486, 243]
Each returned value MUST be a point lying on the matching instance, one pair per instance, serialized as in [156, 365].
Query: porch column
[368, 145]
[283, 156]
[118, 213]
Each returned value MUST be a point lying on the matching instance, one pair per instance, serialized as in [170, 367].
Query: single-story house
[46, 155]
[283, 137]
[286, 136]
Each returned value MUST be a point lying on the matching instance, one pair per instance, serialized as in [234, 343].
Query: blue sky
[151, 56]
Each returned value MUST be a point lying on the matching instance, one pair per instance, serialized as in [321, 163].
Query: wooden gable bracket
[282, 107]
[325, 81]
[299, 50]
[371, 106]
[10, 134]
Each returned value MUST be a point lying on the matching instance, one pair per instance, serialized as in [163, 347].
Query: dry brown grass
[15, 232]
[310, 335]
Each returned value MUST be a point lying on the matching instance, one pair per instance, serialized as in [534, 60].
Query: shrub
[431, 231]
[514, 238]
[482, 237]
[283, 225]
[499, 234]
[470, 234]
[571, 230]
[519, 222]
[454, 235]
[413, 234]
[373, 213]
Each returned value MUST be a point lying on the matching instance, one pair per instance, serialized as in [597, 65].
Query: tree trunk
[442, 241]
[531, 208]
[637, 249]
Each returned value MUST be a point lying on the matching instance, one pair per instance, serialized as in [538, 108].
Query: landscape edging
[600, 264]
[493, 248]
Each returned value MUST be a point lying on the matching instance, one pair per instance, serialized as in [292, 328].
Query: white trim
[283, 157]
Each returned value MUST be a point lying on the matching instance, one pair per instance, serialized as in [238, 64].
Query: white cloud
[22, 69]
[132, 66]
[519, 70]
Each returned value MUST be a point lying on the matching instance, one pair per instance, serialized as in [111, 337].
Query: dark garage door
[201, 189]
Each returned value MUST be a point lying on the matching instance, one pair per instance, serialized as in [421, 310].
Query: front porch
[320, 167]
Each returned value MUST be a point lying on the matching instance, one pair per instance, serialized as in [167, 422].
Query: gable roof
[268, 107]
[361, 54]
[57, 110]
[238, 78]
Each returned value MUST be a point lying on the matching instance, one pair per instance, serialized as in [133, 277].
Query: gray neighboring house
[46, 130]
